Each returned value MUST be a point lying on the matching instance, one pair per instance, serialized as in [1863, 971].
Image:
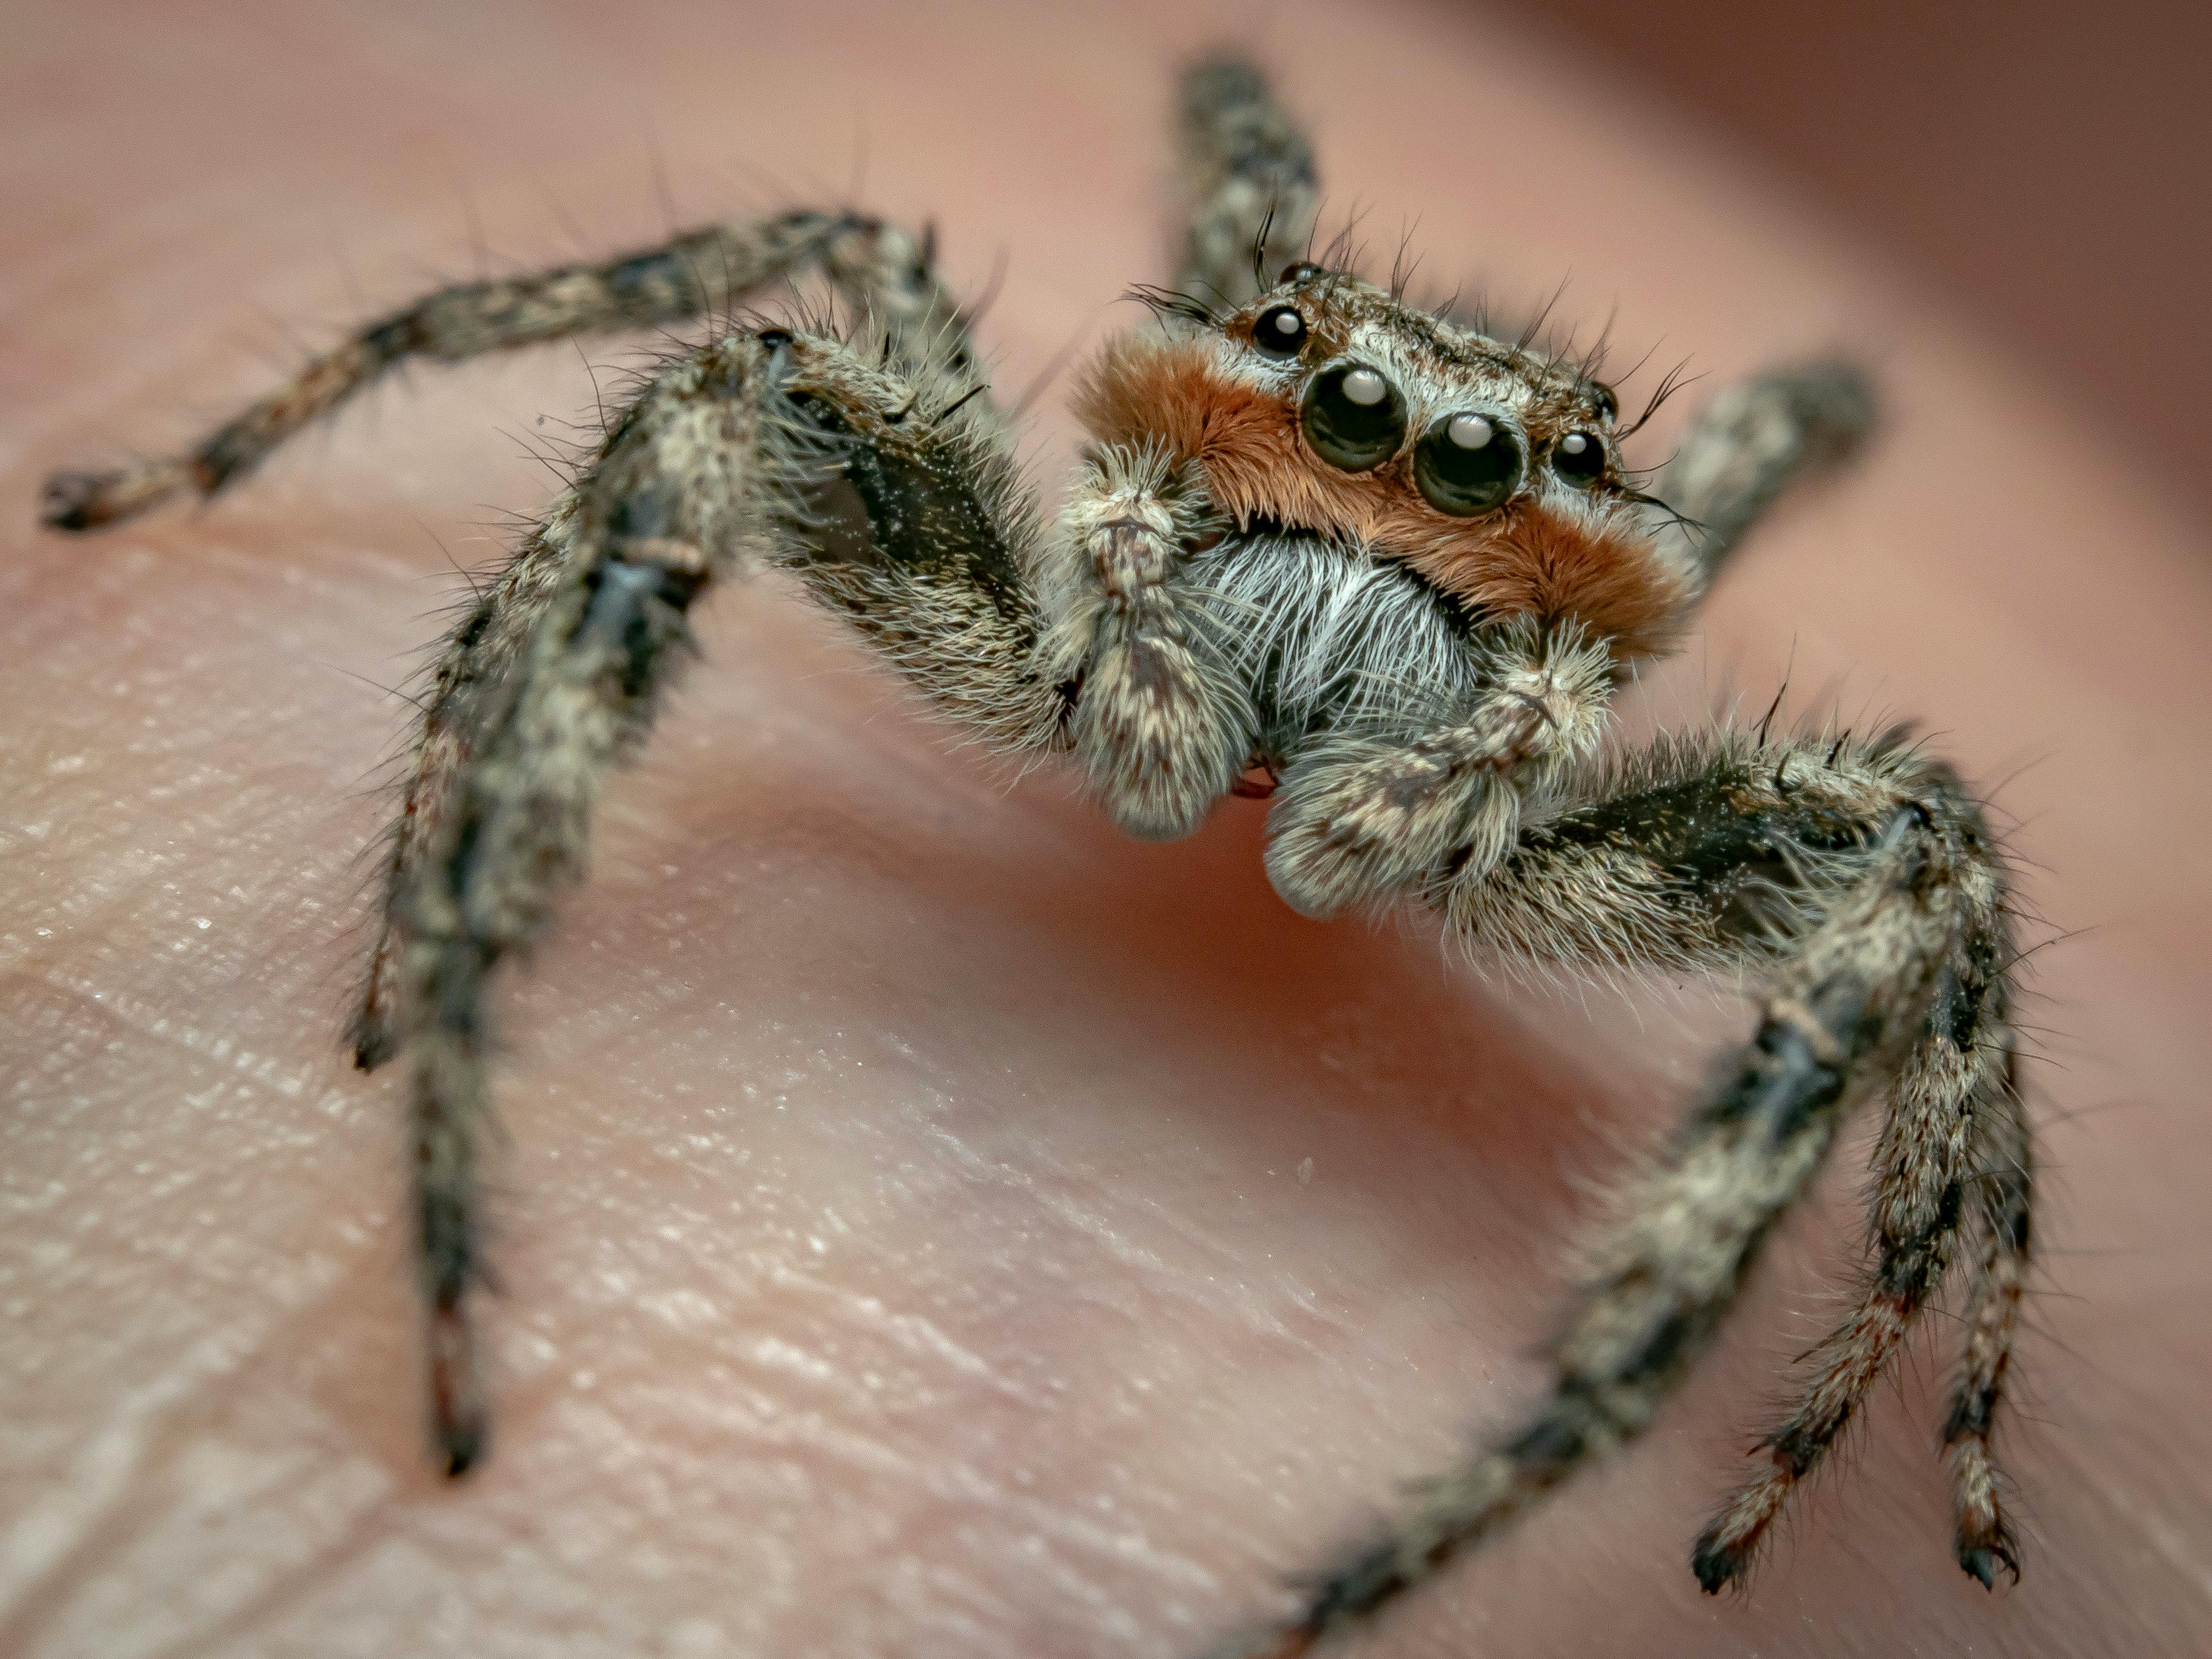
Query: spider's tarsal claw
[373, 1044]
[1717, 1567]
[1982, 1561]
[67, 500]
[458, 1424]
[462, 1447]
[86, 500]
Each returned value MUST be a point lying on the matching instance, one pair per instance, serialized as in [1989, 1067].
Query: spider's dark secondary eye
[1281, 332]
[1467, 464]
[1298, 272]
[1354, 418]
[1579, 458]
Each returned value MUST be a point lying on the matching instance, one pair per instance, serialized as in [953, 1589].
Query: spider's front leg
[1364, 818]
[1161, 726]
[876, 267]
[886, 489]
[712, 268]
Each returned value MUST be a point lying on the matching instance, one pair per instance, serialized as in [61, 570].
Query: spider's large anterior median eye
[1281, 332]
[1467, 464]
[1354, 418]
[1579, 458]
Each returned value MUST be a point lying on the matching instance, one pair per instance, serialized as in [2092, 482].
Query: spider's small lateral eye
[1281, 332]
[1467, 464]
[1579, 458]
[1302, 271]
[1609, 400]
[1354, 418]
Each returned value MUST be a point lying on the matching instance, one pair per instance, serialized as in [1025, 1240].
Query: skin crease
[933, 1224]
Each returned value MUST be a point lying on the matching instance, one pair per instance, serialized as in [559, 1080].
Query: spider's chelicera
[1388, 564]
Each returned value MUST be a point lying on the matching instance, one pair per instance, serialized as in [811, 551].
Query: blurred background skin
[934, 1225]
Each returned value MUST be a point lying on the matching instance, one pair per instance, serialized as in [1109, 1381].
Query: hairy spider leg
[1859, 879]
[881, 269]
[892, 496]
[699, 273]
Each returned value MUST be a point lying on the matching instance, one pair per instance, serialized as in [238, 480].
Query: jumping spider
[1325, 546]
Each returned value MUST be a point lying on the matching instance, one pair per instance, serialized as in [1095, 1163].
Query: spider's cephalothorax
[1330, 523]
[1323, 546]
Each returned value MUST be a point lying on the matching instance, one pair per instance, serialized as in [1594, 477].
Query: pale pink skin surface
[904, 1241]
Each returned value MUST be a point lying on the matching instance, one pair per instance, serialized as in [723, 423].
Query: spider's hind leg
[1249, 183]
[2004, 1191]
[1861, 880]
[1748, 447]
[1955, 1094]
[890, 501]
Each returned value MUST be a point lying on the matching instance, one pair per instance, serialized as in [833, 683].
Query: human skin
[932, 1225]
